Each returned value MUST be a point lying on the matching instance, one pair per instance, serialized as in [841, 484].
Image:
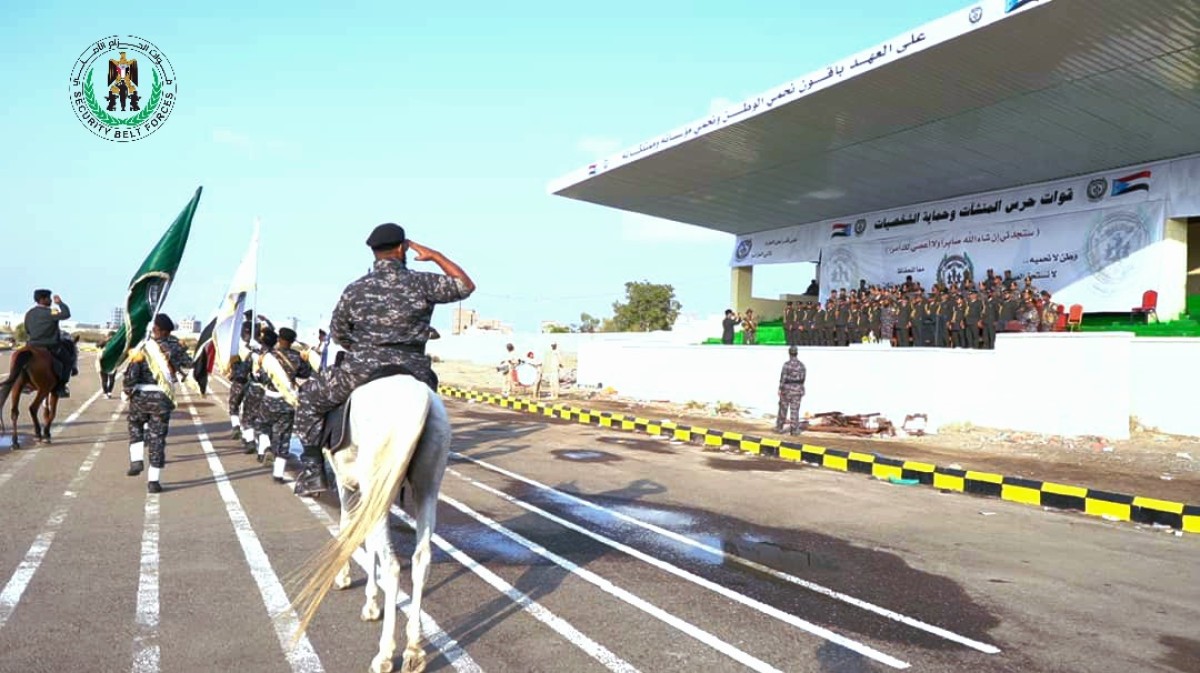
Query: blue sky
[326, 119]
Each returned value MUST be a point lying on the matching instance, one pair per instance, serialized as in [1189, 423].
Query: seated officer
[42, 326]
[381, 320]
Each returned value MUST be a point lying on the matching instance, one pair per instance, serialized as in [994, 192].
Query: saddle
[335, 434]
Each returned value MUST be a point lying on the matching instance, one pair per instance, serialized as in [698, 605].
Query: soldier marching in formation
[282, 368]
[149, 383]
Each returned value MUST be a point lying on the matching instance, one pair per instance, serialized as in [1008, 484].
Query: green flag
[148, 288]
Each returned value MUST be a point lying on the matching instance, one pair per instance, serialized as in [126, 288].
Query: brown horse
[31, 366]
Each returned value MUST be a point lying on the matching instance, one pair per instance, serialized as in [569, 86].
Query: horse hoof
[370, 613]
[414, 661]
[343, 581]
[380, 664]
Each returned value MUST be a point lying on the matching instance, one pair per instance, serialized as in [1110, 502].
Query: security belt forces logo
[123, 88]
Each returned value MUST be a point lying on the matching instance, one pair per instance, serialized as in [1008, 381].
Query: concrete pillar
[741, 283]
[1173, 270]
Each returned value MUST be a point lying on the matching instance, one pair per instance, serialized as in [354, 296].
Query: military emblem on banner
[1110, 244]
[1096, 189]
[743, 249]
[955, 269]
[860, 226]
[843, 268]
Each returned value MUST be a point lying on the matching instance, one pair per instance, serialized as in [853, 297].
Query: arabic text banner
[1103, 259]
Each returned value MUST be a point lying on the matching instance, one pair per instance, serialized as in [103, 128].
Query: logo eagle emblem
[122, 83]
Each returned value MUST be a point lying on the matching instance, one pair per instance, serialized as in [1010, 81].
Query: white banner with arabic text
[1103, 259]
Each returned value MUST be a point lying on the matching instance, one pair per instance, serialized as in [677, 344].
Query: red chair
[1148, 308]
[1075, 317]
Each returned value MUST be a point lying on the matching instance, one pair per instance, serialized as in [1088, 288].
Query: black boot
[135, 468]
[312, 481]
[63, 391]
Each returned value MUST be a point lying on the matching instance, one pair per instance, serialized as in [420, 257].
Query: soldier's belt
[148, 387]
[419, 349]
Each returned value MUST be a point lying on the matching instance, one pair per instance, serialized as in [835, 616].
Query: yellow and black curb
[1123, 507]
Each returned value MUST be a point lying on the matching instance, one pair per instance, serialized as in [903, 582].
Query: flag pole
[254, 307]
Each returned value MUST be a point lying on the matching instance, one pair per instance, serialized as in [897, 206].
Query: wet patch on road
[637, 443]
[585, 456]
[1184, 653]
[752, 464]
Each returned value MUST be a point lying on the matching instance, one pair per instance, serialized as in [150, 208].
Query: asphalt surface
[569, 548]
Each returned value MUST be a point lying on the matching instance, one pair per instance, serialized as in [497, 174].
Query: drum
[527, 374]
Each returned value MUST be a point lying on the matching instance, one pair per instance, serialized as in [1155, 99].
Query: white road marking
[560, 626]
[812, 586]
[449, 647]
[145, 640]
[689, 629]
[769, 610]
[10, 596]
[31, 453]
[303, 658]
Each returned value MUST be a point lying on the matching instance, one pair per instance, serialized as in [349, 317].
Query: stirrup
[312, 480]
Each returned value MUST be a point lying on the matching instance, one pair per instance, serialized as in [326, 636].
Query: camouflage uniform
[149, 407]
[381, 319]
[791, 392]
[252, 406]
[279, 416]
[239, 376]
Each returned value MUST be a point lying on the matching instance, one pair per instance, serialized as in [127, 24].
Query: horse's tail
[391, 442]
[20, 361]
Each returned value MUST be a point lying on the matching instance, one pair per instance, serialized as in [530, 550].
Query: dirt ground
[1149, 464]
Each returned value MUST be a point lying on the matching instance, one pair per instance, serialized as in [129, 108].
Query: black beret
[39, 295]
[287, 334]
[163, 322]
[268, 338]
[386, 236]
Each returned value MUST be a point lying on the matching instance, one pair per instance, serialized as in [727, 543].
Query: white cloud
[598, 147]
[645, 229]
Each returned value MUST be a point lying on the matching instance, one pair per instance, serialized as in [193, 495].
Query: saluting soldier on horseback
[382, 321]
[42, 326]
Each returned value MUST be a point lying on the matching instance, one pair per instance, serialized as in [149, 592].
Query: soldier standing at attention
[381, 319]
[791, 321]
[749, 328]
[150, 384]
[791, 392]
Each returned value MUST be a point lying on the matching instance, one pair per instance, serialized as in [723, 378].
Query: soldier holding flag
[154, 367]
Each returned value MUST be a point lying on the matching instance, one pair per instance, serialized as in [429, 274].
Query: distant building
[465, 319]
[116, 318]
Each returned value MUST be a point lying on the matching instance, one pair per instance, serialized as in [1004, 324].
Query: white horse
[399, 432]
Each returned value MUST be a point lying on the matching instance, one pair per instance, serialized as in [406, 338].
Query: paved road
[569, 548]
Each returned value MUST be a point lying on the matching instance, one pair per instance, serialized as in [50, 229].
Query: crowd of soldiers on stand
[960, 314]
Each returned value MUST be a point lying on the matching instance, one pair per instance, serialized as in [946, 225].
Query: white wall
[1065, 384]
[1164, 373]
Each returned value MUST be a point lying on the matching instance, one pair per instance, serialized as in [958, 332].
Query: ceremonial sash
[283, 384]
[160, 367]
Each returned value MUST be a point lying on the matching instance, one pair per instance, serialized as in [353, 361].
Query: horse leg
[51, 410]
[425, 477]
[343, 580]
[389, 577]
[33, 412]
[370, 609]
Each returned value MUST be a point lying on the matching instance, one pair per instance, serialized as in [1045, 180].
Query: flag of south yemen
[148, 288]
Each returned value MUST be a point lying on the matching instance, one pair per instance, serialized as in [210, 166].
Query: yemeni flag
[148, 288]
[219, 341]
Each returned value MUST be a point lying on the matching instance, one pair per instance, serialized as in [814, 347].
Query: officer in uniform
[381, 319]
[251, 418]
[791, 392]
[283, 368]
[791, 322]
[149, 382]
[239, 376]
[41, 328]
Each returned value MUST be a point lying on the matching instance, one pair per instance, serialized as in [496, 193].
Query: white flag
[229, 316]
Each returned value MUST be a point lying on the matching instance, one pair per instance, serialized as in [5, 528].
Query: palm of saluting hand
[423, 254]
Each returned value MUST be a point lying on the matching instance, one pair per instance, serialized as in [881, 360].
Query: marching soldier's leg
[236, 392]
[156, 442]
[137, 437]
[281, 437]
